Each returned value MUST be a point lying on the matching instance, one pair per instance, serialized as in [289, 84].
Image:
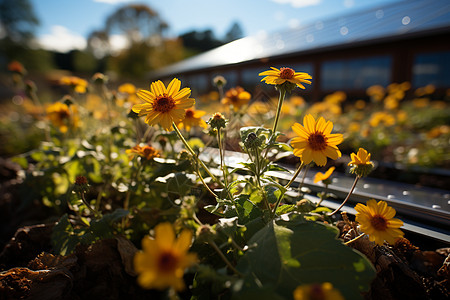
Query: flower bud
[217, 121]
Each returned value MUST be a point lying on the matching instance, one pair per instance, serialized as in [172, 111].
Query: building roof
[394, 21]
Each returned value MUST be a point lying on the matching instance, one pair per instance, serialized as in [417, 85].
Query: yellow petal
[184, 241]
[164, 235]
[145, 95]
[306, 156]
[146, 279]
[320, 124]
[173, 87]
[186, 103]
[309, 123]
[157, 88]
[319, 158]
[300, 130]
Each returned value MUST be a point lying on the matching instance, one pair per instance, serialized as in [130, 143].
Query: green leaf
[179, 184]
[63, 239]
[244, 131]
[249, 166]
[286, 208]
[103, 228]
[274, 167]
[272, 193]
[247, 211]
[303, 252]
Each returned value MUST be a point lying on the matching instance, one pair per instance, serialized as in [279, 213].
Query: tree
[200, 41]
[234, 33]
[17, 20]
[147, 47]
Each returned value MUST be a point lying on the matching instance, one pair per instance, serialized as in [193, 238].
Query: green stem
[348, 196]
[355, 239]
[227, 262]
[194, 154]
[322, 195]
[277, 117]
[286, 186]
[135, 177]
[95, 212]
[222, 165]
[258, 177]
[299, 169]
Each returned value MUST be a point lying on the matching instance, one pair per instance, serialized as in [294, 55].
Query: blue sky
[65, 24]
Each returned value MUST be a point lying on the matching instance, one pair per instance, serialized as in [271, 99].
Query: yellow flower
[193, 118]
[354, 127]
[163, 260]
[360, 163]
[147, 152]
[360, 104]
[381, 117]
[377, 220]
[62, 116]
[336, 97]
[164, 105]
[324, 291]
[298, 101]
[362, 158]
[79, 85]
[321, 176]
[282, 75]
[390, 102]
[315, 141]
[376, 92]
[237, 97]
[127, 93]
[127, 88]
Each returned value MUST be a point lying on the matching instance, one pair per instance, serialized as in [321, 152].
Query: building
[403, 41]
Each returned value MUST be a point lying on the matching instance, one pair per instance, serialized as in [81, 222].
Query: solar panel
[390, 21]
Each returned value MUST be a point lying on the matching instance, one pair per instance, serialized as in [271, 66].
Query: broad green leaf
[303, 252]
[286, 208]
[103, 228]
[272, 193]
[247, 211]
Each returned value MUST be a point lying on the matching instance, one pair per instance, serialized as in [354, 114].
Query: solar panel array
[392, 21]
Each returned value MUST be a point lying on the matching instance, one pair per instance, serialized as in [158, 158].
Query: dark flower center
[316, 292]
[150, 152]
[286, 73]
[379, 222]
[163, 104]
[63, 114]
[317, 141]
[167, 262]
[189, 113]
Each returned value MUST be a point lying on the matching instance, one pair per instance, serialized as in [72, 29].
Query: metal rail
[424, 211]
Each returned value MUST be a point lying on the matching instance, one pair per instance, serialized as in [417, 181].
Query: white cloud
[299, 3]
[349, 3]
[62, 39]
[112, 1]
[294, 23]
